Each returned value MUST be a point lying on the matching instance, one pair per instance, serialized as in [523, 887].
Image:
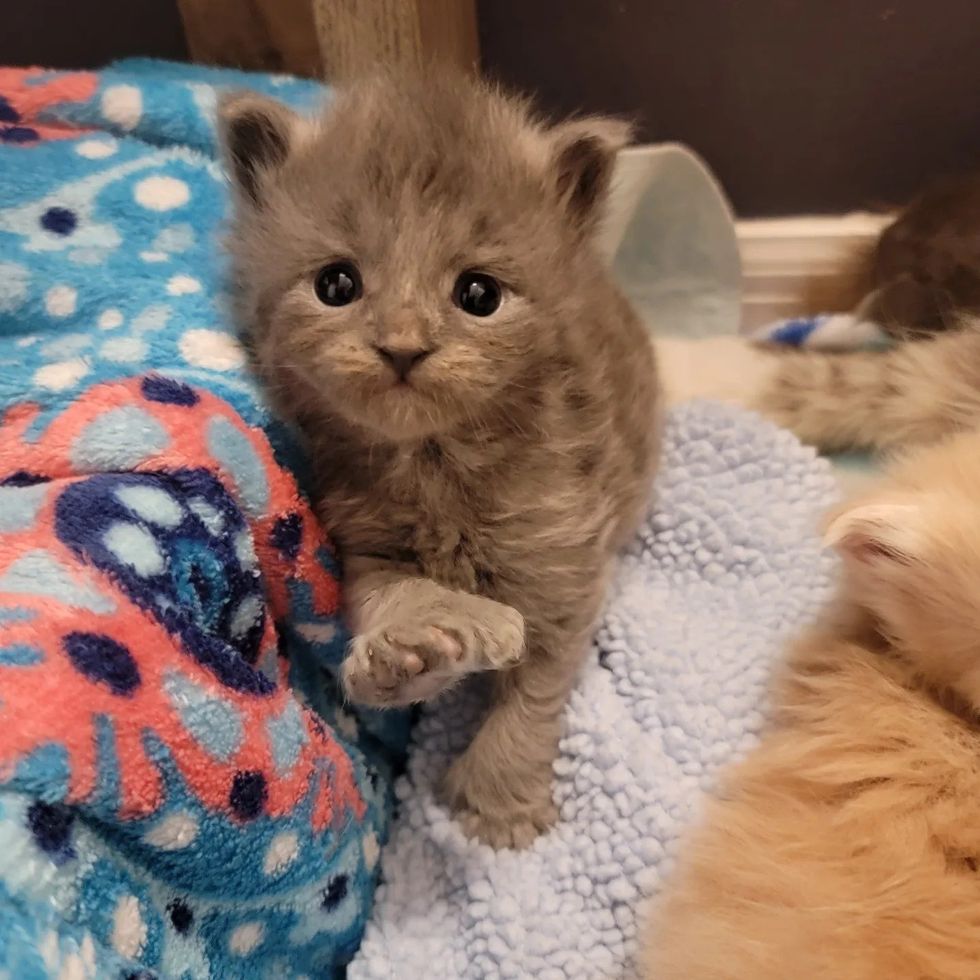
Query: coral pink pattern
[26, 96]
[180, 435]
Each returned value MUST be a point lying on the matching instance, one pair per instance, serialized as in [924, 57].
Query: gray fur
[477, 506]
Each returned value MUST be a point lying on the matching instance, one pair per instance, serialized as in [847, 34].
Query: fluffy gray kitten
[419, 285]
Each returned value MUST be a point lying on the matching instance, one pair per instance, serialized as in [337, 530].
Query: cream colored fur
[914, 393]
[847, 846]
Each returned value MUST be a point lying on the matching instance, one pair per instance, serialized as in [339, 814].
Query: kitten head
[911, 553]
[411, 257]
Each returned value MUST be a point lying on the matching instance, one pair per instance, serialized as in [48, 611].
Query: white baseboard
[780, 255]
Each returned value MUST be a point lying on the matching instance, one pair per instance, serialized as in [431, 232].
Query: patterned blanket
[181, 792]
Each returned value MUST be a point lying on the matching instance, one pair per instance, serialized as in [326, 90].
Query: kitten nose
[402, 360]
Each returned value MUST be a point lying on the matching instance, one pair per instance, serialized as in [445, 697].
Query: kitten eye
[338, 284]
[477, 293]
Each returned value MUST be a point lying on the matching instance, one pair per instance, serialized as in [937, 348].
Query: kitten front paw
[502, 820]
[420, 655]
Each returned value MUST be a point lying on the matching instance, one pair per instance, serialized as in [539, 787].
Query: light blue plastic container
[670, 237]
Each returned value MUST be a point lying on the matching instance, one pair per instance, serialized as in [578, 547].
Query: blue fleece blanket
[182, 793]
[725, 570]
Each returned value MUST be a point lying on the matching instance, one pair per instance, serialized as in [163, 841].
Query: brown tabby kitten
[923, 271]
[921, 277]
[417, 277]
[847, 845]
[914, 393]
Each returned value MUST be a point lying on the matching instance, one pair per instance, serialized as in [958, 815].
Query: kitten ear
[880, 529]
[256, 134]
[583, 156]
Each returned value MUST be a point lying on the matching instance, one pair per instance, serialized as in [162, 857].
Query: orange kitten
[847, 846]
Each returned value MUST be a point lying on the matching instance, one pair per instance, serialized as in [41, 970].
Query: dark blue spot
[794, 332]
[140, 975]
[22, 479]
[87, 508]
[180, 915]
[169, 392]
[61, 221]
[334, 893]
[287, 533]
[248, 794]
[51, 823]
[8, 114]
[103, 660]
[18, 134]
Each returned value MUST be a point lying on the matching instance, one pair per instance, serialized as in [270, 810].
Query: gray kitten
[418, 281]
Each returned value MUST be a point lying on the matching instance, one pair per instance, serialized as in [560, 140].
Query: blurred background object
[804, 110]
[799, 106]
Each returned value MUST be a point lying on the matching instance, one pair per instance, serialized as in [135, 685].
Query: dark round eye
[477, 293]
[338, 284]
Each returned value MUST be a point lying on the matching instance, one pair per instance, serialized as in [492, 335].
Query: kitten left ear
[883, 529]
[257, 134]
[583, 157]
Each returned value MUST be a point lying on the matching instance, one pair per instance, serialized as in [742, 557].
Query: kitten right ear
[880, 529]
[583, 157]
[257, 134]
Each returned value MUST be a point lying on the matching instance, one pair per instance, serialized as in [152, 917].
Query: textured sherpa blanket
[170, 805]
[725, 570]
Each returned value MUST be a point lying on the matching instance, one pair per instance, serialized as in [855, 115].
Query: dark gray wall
[797, 104]
[88, 33]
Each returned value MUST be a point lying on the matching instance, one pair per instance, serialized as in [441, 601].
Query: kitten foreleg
[413, 637]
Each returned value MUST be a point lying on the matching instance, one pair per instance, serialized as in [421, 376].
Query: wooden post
[357, 35]
[332, 39]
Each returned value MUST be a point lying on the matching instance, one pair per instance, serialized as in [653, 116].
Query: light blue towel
[724, 572]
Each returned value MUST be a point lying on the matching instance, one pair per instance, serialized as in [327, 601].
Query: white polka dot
[183, 285]
[96, 149]
[161, 193]
[61, 300]
[154, 256]
[281, 853]
[87, 951]
[245, 616]
[124, 350]
[176, 238]
[245, 938]
[14, 286]
[151, 504]
[371, 849]
[317, 632]
[152, 318]
[29, 340]
[61, 375]
[110, 319]
[65, 345]
[346, 722]
[134, 546]
[123, 105]
[245, 549]
[211, 349]
[128, 928]
[174, 832]
[50, 950]
[207, 515]
[72, 968]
